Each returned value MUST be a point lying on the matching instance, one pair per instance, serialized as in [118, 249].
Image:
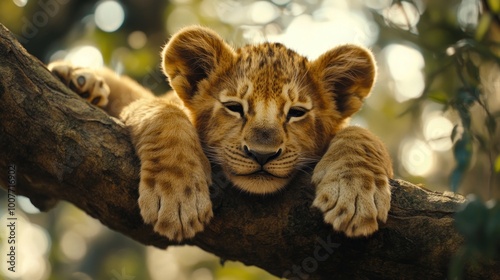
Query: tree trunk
[66, 149]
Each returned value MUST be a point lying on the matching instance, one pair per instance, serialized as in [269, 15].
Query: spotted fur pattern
[263, 113]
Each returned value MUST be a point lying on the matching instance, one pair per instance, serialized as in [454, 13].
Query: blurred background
[436, 103]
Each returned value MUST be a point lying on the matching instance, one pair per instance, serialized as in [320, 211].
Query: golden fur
[261, 112]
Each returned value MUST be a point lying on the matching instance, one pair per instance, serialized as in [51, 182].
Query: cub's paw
[84, 81]
[352, 200]
[176, 201]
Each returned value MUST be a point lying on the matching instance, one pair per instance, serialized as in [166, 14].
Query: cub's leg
[352, 182]
[175, 173]
[101, 87]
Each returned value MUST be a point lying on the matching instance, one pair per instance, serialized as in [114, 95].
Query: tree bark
[67, 149]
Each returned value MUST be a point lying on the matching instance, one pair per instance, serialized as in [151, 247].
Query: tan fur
[263, 113]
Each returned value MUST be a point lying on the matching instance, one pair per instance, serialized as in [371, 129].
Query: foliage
[457, 81]
[479, 223]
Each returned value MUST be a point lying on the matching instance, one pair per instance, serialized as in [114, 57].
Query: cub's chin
[259, 183]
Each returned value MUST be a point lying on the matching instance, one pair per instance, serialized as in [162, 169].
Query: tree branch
[67, 149]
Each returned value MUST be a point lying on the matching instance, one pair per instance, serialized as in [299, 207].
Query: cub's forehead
[268, 57]
[268, 70]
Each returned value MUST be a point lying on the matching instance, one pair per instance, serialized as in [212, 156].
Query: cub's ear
[347, 72]
[191, 56]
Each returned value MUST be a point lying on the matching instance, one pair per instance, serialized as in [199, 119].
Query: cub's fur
[262, 113]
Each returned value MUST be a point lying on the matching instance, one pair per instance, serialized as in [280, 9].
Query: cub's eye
[234, 107]
[296, 112]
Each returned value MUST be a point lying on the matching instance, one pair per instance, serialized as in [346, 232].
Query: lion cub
[261, 112]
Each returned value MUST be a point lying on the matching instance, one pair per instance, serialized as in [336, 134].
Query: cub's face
[264, 112]
[259, 118]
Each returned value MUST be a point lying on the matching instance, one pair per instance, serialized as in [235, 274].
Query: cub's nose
[261, 157]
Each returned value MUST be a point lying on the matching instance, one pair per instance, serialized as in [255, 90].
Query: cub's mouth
[262, 173]
[254, 175]
[260, 181]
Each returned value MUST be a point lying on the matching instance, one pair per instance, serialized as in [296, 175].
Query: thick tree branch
[66, 149]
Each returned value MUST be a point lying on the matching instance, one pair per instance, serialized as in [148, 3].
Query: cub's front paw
[176, 201]
[352, 200]
[85, 82]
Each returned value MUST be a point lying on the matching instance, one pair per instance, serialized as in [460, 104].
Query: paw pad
[96, 100]
[81, 81]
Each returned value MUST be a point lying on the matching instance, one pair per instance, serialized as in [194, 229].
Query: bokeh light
[281, 2]
[417, 157]
[180, 17]
[137, 39]
[437, 132]
[468, 14]
[231, 12]
[109, 16]
[161, 264]
[202, 274]
[20, 3]
[26, 205]
[404, 15]
[73, 245]
[33, 252]
[85, 56]
[294, 9]
[263, 12]
[377, 4]
[312, 36]
[405, 67]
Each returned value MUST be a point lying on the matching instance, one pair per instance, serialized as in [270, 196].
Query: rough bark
[66, 149]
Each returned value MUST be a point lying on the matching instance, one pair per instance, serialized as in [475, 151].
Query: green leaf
[457, 264]
[493, 225]
[466, 97]
[454, 133]
[464, 114]
[492, 230]
[471, 219]
[462, 151]
[483, 25]
[491, 124]
[482, 141]
[494, 6]
[473, 71]
[438, 96]
[455, 179]
[497, 164]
